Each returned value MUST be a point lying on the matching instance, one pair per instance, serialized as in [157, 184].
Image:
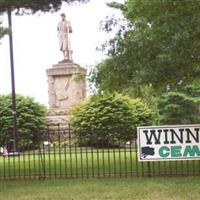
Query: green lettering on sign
[164, 152]
[176, 151]
[191, 151]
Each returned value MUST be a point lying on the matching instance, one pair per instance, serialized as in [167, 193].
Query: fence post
[149, 169]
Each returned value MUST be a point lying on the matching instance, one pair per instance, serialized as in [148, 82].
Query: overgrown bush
[108, 120]
[30, 121]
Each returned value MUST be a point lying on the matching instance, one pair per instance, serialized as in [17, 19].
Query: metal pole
[14, 113]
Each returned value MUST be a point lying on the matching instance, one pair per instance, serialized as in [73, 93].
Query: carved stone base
[57, 112]
[54, 121]
[66, 87]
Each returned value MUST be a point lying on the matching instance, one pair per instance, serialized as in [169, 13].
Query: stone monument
[66, 80]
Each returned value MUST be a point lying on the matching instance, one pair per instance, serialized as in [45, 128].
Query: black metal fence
[57, 154]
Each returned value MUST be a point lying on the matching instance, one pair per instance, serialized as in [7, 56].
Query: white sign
[156, 143]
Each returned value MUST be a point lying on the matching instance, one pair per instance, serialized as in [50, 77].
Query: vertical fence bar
[165, 168]
[109, 168]
[131, 158]
[142, 169]
[87, 167]
[149, 168]
[187, 167]
[4, 168]
[76, 160]
[34, 163]
[153, 171]
[38, 157]
[136, 156]
[29, 160]
[182, 169]
[49, 152]
[14, 169]
[39, 162]
[170, 168]
[97, 150]
[92, 154]
[120, 164]
[103, 159]
[19, 165]
[176, 167]
[81, 152]
[114, 161]
[1, 168]
[70, 150]
[199, 167]
[54, 156]
[125, 161]
[59, 151]
[65, 156]
[24, 160]
[159, 168]
[41, 174]
[193, 168]
[9, 170]
[43, 159]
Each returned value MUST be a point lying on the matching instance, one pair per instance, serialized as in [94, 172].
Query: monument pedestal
[66, 87]
[53, 121]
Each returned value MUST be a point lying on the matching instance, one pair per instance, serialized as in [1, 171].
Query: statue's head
[63, 16]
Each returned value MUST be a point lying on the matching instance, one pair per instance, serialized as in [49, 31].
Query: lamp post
[14, 113]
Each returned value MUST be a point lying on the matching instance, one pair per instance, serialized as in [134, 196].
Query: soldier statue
[64, 29]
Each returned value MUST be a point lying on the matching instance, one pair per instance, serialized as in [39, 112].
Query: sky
[36, 47]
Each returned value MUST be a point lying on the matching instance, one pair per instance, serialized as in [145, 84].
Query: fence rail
[58, 155]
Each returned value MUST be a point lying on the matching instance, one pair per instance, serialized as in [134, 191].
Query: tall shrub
[30, 121]
[109, 119]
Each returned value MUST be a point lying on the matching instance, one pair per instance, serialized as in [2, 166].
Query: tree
[3, 31]
[109, 120]
[25, 6]
[159, 47]
[33, 5]
[30, 121]
[180, 106]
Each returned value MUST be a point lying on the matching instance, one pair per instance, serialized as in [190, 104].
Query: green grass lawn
[186, 188]
[88, 163]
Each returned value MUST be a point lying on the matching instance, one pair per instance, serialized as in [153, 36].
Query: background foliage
[158, 45]
[109, 119]
[155, 56]
[180, 107]
[33, 5]
[30, 121]
[3, 31]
